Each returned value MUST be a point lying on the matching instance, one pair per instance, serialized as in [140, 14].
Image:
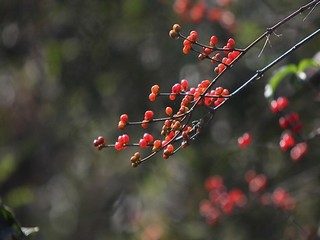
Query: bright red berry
[244, 140]
[176, 88]
[143, 143]
[231, 41]
[124, 118]
[148, 137]
[213, 41]
[184, 85]
[148, 115]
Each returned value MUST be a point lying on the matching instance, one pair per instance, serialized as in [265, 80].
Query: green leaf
[306, 63]
[9, 226]
[274, 82]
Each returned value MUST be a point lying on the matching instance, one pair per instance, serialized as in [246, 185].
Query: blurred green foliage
[68, 69]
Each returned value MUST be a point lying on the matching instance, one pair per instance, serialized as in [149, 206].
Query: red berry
[274, 106]
[118, 146]
[201, 56]
[143, 143]
[225, 92]
[218, 91]
[282, 103]
[258, 183]
[170, 148]
[152, 97]
[283, 122]
[148, 137]
[244, 140]
[231, 41]
[214, 183]
[148, 115]
[298, 151]
[124, 118]
[187, 43]
[125, 138]
[176, 88]
[96, 143]
[207, 51]
[156, 145]
[213, 41]
[193, 36]
[186, 49]
[145, 124]
[184, 84]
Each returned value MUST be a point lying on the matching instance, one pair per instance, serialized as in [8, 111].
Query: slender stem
[259, 73]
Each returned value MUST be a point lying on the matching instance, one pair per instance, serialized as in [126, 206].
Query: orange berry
[170, 148]
[172, 97]
[186, 49]
[121, 125]
[155, 89]
[169, 111]
[152, 97]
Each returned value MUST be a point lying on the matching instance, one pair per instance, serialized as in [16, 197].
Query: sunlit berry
[155, 89]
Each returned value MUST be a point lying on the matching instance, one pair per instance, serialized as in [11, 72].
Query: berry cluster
[211, 51]
[179, 129]
[291, 125]
[280, 197]
[216, 12]
[223, 202]
[99, 143]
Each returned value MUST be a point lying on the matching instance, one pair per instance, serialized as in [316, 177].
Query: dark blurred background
[69, 69]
